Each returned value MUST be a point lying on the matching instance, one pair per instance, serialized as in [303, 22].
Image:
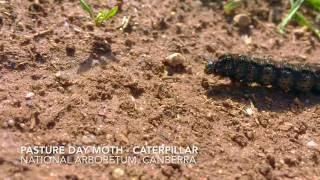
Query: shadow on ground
[267, 99]
[93, 61]
[101, 54]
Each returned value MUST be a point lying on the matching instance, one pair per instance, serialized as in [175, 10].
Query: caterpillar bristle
[266, 72]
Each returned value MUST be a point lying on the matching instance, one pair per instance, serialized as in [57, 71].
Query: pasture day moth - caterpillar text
[266, 72]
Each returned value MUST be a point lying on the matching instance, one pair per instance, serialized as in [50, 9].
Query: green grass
[315, 4]
[294, 8]
[292, 15]
[301, 19]
[231, 5]
[101, 16]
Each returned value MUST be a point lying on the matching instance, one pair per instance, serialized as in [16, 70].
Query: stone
[117, 173]
[29, 95]
[312, 145]
[175, 59]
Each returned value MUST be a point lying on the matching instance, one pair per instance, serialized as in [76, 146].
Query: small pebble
[175, 59]
[210, 117]
[117, 173]
[22, 125]
[58, 74]
[29, 95]
[312, 145]
[242, 20]
[249, 111]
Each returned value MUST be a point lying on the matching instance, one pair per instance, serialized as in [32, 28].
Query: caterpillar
[267, 72]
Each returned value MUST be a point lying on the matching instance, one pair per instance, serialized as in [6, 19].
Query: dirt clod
[242, 20]
[265, 170]
[271, 161]
[290, 161]
[71, 177]
[240, 140]
[101, 47]
[70, 50]
[136, 89]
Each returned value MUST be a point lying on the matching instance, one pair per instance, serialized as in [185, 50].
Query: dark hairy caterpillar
[267, 72]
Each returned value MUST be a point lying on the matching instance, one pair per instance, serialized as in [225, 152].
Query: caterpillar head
[221, 66]
[210, 67]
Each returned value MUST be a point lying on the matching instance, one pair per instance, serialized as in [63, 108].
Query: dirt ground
[65, 81]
